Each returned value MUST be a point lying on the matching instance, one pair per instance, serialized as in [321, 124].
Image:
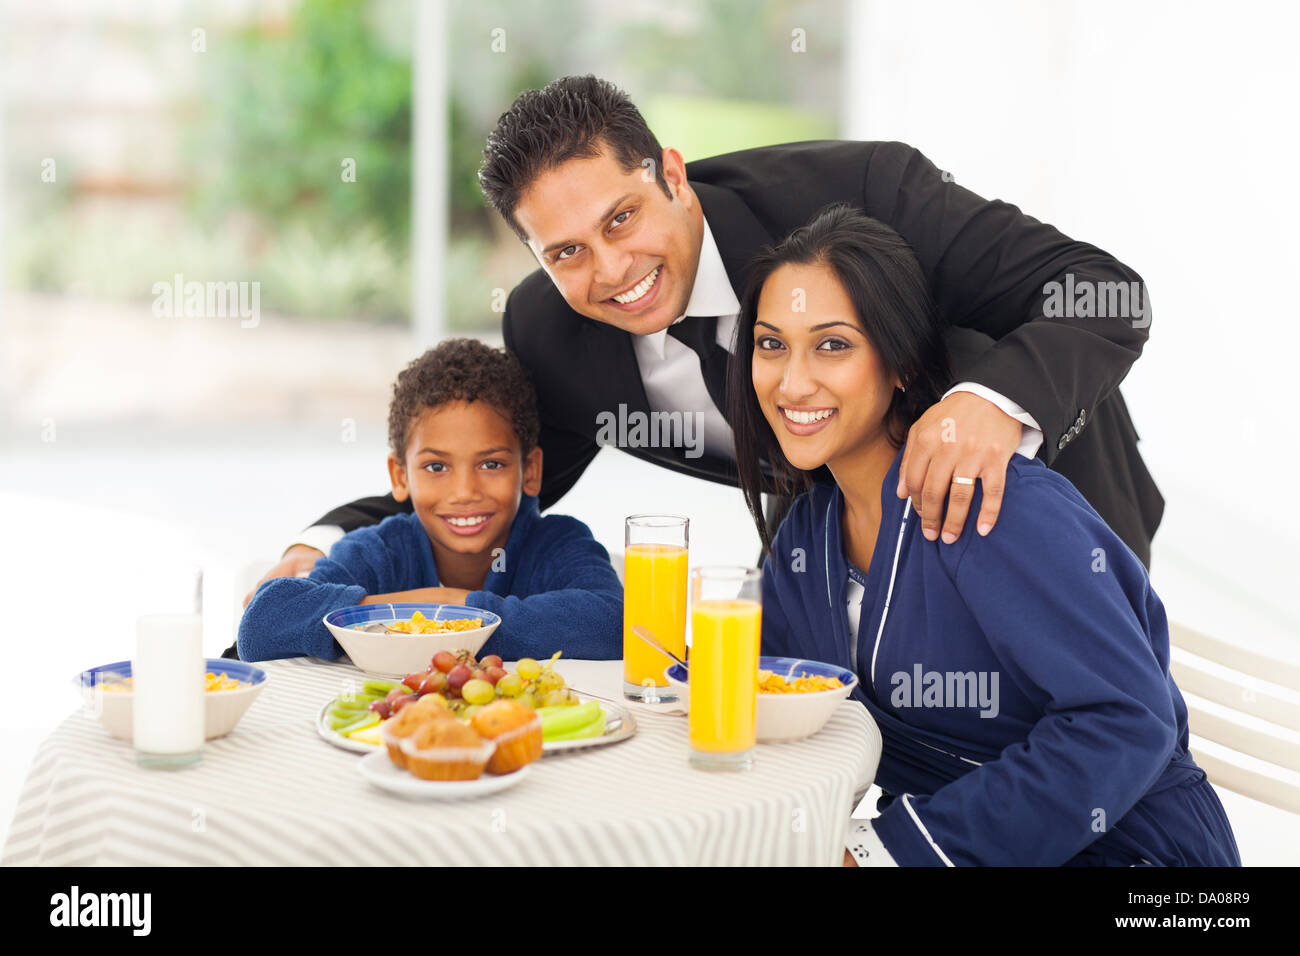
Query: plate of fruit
[570, 720]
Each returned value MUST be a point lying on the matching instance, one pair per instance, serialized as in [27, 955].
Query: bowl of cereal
[393, 640]
[230, 687]
[796, 697]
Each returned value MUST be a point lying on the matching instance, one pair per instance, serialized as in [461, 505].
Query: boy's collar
[501, 575]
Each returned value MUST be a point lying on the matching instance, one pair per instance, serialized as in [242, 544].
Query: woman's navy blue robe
[1021, 681]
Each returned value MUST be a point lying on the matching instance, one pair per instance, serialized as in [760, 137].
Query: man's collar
[712, 294]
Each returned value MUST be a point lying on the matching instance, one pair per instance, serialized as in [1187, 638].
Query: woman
[1020, 678]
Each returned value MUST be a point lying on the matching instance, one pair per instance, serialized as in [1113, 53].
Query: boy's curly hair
[465, 370]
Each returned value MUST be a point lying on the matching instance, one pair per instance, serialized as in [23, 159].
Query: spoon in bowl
[645, 635]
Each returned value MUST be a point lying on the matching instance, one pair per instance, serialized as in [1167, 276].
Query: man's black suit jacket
[987, 264]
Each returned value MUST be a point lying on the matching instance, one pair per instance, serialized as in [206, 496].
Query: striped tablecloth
[273, 793]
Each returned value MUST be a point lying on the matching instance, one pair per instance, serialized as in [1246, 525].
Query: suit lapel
[611, 370]
[737, 232]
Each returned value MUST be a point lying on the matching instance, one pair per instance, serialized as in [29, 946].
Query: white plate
[337, 739]
[619, 725]
[381, 772]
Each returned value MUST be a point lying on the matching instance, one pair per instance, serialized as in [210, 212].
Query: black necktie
[700, 335]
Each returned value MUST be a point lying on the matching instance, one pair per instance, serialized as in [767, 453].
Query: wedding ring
[956, 480]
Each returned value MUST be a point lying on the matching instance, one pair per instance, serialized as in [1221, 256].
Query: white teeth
[468, 522]
[638, 290]
[807, 418]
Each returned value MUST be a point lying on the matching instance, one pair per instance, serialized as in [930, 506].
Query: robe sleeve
[284, 617]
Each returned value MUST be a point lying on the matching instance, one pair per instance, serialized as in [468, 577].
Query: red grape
[457, 676]
[435, 683]
[396, 694]
[381, 708]
[492, 660]
[494, 674]
[444, 661]
[413, 680]
[402, 702]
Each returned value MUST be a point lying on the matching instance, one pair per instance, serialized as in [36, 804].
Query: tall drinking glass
[654, 596]
[726, 624]
[167, 685]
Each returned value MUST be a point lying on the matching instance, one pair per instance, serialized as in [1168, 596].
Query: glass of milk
[167, 673]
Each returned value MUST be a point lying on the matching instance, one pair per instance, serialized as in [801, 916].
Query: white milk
[167, 689]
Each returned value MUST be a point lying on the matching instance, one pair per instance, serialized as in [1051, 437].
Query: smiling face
[819, 381]
[616, 247]
[465, 474]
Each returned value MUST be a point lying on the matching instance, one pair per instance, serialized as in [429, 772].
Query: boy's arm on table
[1072, 642]
[284, 617]
[577, 606]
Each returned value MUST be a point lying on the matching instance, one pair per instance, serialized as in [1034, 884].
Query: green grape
[478, 692]
[528, 699]
[548, 681]
[529, 669]
[471, 710]
[558, 698]
[511, 685]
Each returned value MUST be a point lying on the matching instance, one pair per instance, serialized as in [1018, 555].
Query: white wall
[1164, 133]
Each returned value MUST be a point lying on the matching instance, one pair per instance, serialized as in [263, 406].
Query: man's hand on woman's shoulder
[963, 436]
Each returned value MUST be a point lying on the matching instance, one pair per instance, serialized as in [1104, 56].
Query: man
[643, 258]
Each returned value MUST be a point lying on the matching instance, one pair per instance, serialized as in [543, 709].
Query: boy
[463, 427]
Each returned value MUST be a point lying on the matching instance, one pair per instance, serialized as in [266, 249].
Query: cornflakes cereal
[772, 683]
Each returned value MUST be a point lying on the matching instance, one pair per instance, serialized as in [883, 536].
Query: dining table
[272, 792]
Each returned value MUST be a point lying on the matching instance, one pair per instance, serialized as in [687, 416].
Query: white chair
[1239, 693]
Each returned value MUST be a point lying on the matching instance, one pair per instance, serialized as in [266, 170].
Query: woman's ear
[533, 473]
[397, 475]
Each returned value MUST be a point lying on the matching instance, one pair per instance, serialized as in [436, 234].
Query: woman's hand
[419, 596]
[848, 859]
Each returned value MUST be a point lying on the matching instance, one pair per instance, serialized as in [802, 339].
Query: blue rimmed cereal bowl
[222, 709]
[396, 655]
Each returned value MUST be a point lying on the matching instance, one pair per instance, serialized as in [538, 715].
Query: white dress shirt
[671, 372]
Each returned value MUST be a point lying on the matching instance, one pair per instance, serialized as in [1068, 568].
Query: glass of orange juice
[726, 624]
[654, 596]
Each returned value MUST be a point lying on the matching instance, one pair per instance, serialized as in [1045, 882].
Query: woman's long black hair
[883, 279]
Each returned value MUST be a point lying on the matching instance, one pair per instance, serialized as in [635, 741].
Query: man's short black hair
[574, 117]
[464, 370]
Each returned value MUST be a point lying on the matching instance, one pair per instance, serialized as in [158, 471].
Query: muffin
[432, 704]
[446, 750]
[395, 729]
[517, 731]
